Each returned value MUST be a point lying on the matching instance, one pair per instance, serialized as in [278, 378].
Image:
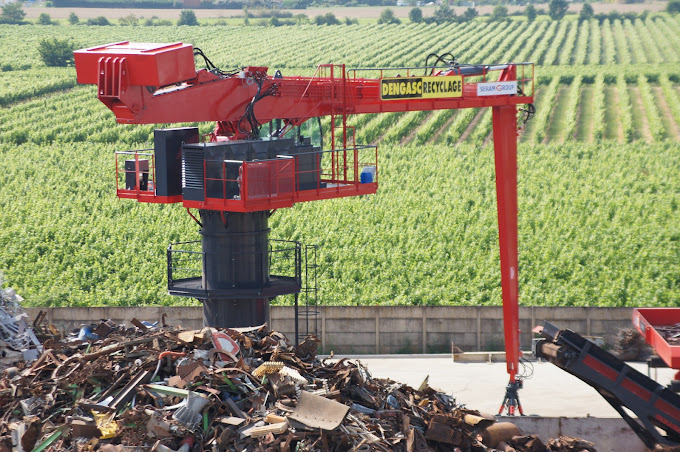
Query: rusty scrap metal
[166, 389]
[501, 432]
[631, 346]
[317, 412]
[671, 333]
[527, 443]
[569, 444]
[18, 341]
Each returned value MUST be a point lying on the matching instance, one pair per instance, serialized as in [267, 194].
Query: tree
[56, 52]
[187, 17]
[387, 17]
[327, 19]
[557, 9]
[444, 13]
[293, 4]
[45, 19]
[531, 13]
[130, 20]
[12, 13]
[416, 15]
[586, 12]
[73, 19]
[673, 6]
[330, 19]
[99, 20]
[470, 14]
[500, 12]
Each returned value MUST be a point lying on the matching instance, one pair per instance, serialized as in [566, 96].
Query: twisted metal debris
[165, 389]
[17, 340]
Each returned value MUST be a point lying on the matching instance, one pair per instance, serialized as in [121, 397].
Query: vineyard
[599, 163]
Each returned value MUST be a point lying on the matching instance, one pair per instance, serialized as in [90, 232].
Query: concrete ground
[551, 392]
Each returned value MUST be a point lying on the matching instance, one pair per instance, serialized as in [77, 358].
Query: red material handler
[158, 83]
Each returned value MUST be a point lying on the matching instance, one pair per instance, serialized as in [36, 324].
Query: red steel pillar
[505, 148]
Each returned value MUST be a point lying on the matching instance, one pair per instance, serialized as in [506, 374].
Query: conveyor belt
[657, 408]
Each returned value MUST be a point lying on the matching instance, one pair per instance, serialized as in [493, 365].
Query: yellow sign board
[421, 87]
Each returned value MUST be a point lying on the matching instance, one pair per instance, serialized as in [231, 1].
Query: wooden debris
[275, 429]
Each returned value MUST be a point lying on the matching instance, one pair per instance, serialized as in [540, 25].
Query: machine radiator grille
[192, 174]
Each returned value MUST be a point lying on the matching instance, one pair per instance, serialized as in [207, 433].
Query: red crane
[234, 185]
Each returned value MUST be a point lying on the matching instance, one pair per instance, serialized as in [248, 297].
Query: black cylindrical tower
[236, 253]
[234, 282]
[235, 313]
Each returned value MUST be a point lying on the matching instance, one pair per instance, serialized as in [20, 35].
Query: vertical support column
[297, 329]
[236, 256]
[479, 328]
[322, 310]
[424, 313]
[377, 330]
[235, 313]
[505, 148]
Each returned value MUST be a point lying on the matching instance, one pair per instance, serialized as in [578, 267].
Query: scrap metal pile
[671, 333]
[631, 346]
[112, 388]
[17, 340]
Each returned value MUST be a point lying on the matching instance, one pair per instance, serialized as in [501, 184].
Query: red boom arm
[143, 84]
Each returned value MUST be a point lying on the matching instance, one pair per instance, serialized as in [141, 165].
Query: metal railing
[186, 261]
[185, 264]
[285, 259]
[274, 183]
[249, 180]
[136, 172]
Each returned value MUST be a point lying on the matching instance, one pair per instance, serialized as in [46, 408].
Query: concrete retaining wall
[382, 329]
[608, 434]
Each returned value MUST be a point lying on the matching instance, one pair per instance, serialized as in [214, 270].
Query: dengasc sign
[421, 87]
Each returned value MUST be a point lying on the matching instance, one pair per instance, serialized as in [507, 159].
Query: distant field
[598, 170]
[371, 12]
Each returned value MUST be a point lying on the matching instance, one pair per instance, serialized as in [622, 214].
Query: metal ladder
[307, 314]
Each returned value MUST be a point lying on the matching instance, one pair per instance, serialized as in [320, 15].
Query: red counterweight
[152, 64]
[158, 83]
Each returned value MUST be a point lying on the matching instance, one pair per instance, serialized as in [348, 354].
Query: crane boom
[129, 76]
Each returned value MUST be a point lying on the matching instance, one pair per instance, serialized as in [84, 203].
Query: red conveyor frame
[647, 319]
